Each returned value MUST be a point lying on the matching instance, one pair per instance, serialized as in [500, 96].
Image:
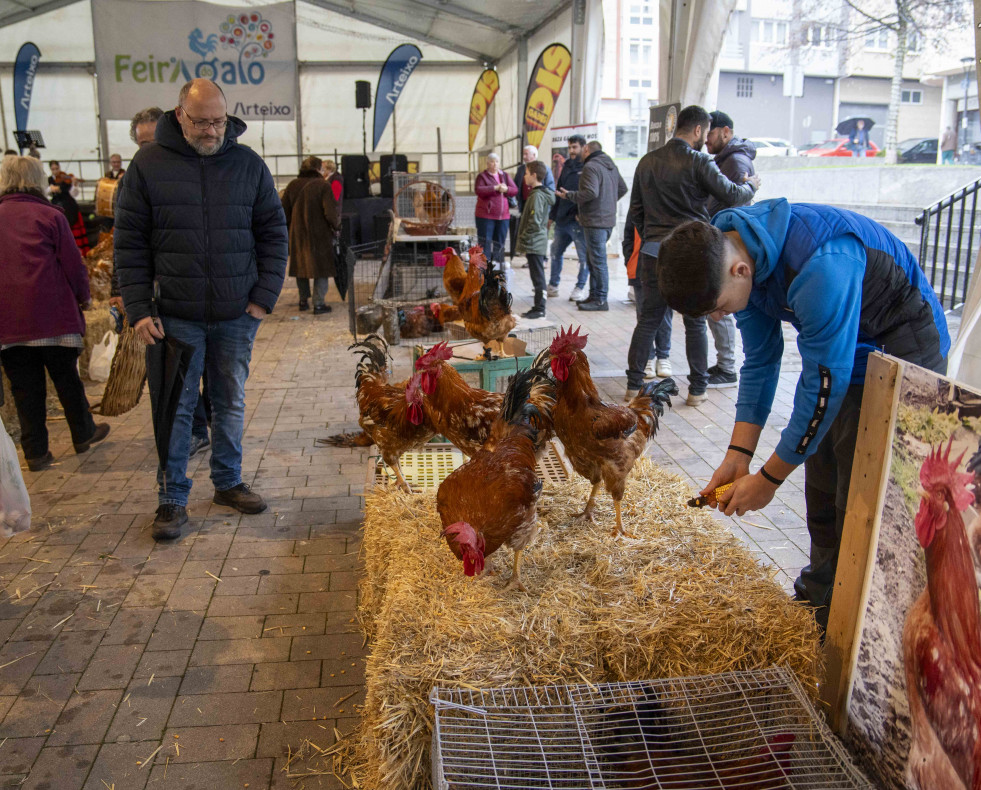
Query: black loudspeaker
[390, 162]
[362, 94]
[355, 172]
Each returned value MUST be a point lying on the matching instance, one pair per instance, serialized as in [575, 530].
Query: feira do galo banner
[145, 52]
[487, 87]
[544, 87]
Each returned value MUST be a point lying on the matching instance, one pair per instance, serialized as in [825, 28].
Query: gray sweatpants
[724, 333]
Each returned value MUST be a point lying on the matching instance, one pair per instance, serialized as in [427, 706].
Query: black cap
[720, 119]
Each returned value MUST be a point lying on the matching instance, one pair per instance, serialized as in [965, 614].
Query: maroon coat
[492, 204]
[43, 279]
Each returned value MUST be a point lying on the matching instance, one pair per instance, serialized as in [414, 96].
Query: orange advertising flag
[544, 87]
[487, 87]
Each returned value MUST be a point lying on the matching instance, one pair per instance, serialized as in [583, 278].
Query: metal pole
[3, 119]
[439, 151]
[395, 145]
[298, 112]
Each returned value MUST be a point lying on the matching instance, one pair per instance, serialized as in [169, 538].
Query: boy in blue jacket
[849, 287]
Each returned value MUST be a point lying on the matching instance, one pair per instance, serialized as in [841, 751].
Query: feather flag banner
[487, 87]
[25, 71]
[544, 87]
[391, 82]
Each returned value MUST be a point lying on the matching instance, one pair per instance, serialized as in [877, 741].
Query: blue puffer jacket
[209, 229]
[849, 287]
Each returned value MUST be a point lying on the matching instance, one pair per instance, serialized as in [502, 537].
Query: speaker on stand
[362, 101]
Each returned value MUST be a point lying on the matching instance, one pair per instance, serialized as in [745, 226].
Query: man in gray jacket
[734, 156]
[600, 187]
[671, 187]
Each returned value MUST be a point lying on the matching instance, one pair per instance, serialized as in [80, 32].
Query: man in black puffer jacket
[199, 216]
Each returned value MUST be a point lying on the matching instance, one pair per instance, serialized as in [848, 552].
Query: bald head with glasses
[202, 114]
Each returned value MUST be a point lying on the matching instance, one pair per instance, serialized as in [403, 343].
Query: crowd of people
[202, 240]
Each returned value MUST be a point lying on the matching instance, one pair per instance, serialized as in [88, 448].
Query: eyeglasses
[202, 125]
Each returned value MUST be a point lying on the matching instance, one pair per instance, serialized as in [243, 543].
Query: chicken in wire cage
[424, 208]
[751, 730]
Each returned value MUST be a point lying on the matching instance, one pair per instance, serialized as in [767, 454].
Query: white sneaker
[553, 291]
[663, 368]
[577, 295]
[649, 371]
[630, 294]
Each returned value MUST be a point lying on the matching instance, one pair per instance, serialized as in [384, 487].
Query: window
[641, 14]
[819, 36]
[768, 31]
[912, 97]
[877, 39]
[914, 41]
[635, 54]
[645, 83]
[744, 87]
[634, 83]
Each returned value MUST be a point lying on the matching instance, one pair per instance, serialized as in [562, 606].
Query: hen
[476, 525]
[391, 415]
[461, 413]
[942, 638]
[602, 440]
[642, 749]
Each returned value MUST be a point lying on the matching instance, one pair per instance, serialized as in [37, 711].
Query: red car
[837, 147]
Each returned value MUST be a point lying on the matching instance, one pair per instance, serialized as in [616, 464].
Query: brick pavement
[128, 664]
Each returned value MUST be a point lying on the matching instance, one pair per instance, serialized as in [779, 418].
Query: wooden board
[860, 535]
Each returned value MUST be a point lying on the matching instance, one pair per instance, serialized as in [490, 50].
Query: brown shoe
[101, 432]
[240, 497]
[39, 464]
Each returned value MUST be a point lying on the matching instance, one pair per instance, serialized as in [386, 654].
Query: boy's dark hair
[578, 139]
[692, 116]
[539, 169]
[54, 162]
[689, 268]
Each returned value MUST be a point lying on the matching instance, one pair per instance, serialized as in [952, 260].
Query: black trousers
[25, 367]
[827, 476]
[536, 268]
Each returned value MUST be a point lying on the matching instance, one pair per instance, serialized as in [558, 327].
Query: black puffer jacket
[209, 229]
[736, 163]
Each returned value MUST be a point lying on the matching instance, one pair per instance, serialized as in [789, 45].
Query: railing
[948, 237]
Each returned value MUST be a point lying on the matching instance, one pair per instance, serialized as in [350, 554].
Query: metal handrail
[952, 265]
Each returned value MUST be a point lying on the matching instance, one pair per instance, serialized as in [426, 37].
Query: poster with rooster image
[914, 711]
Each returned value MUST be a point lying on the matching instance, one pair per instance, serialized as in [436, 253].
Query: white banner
[145, 52]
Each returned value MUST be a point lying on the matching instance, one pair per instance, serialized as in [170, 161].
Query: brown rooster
[476, 525]
[461, 413]
[391, 415]
[942, 638]
[602, 440]
[487, 313]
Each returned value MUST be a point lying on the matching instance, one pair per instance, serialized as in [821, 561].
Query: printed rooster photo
[915, 709]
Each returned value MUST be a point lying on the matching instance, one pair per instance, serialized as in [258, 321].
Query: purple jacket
[42, 277]
[492, 204]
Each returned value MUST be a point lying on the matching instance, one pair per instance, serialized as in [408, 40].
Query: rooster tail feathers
[659, 392]
[492, 290]
[374, 356]
[530, 395]
[359, 439]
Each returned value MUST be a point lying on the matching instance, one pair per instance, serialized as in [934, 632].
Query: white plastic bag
[100, 362]
[15, 504]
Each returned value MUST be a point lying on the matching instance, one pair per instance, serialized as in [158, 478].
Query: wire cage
[753, 729]
[424, 208]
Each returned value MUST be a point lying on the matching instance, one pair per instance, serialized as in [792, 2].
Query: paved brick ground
[127, 664]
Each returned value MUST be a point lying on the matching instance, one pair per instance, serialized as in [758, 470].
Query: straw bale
[684, 598]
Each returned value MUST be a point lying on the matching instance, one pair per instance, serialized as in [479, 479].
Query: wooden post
[860, 535]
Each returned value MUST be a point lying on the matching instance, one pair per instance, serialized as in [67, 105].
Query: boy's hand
[562, 192]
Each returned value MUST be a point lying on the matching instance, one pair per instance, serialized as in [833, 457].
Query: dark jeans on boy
[651, 308]
[25, 367]
[536, 268]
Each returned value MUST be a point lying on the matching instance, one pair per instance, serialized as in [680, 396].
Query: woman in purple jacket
[44, 286]
[493, 188]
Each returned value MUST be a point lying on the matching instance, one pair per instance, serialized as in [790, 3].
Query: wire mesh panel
[424, 207]
[751, 730]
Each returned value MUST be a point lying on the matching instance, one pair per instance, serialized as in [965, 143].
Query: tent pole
[3, 118]
[439, 150]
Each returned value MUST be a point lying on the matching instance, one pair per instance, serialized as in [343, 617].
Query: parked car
[773, 146]
[838, 147]
[923, 151]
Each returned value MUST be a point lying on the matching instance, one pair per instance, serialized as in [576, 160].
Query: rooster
[458, 280]
[453, 408]
[391, 415]
[643, 748]
[476, 525]
[942, 637]
[602, 440]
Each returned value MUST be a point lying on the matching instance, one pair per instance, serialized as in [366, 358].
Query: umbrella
[343, 259]
[167, 361]
[846, 128]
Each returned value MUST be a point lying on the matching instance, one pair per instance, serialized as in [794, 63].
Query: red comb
[568, 340]
[938, 470]
[477, 256]
[441, 351]
[463, 533]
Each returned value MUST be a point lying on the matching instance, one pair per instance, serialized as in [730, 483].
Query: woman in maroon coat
[44, 286]
[493, 187]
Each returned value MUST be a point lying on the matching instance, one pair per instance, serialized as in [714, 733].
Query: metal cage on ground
[751, 729]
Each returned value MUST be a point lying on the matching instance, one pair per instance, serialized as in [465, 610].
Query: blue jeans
[224, 348]
[599, 275]
[947, 157]
[567, 233]
[492, 235]
[650, 317]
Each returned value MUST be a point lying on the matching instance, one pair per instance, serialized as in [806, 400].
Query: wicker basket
[126, 376]
[424, 208]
